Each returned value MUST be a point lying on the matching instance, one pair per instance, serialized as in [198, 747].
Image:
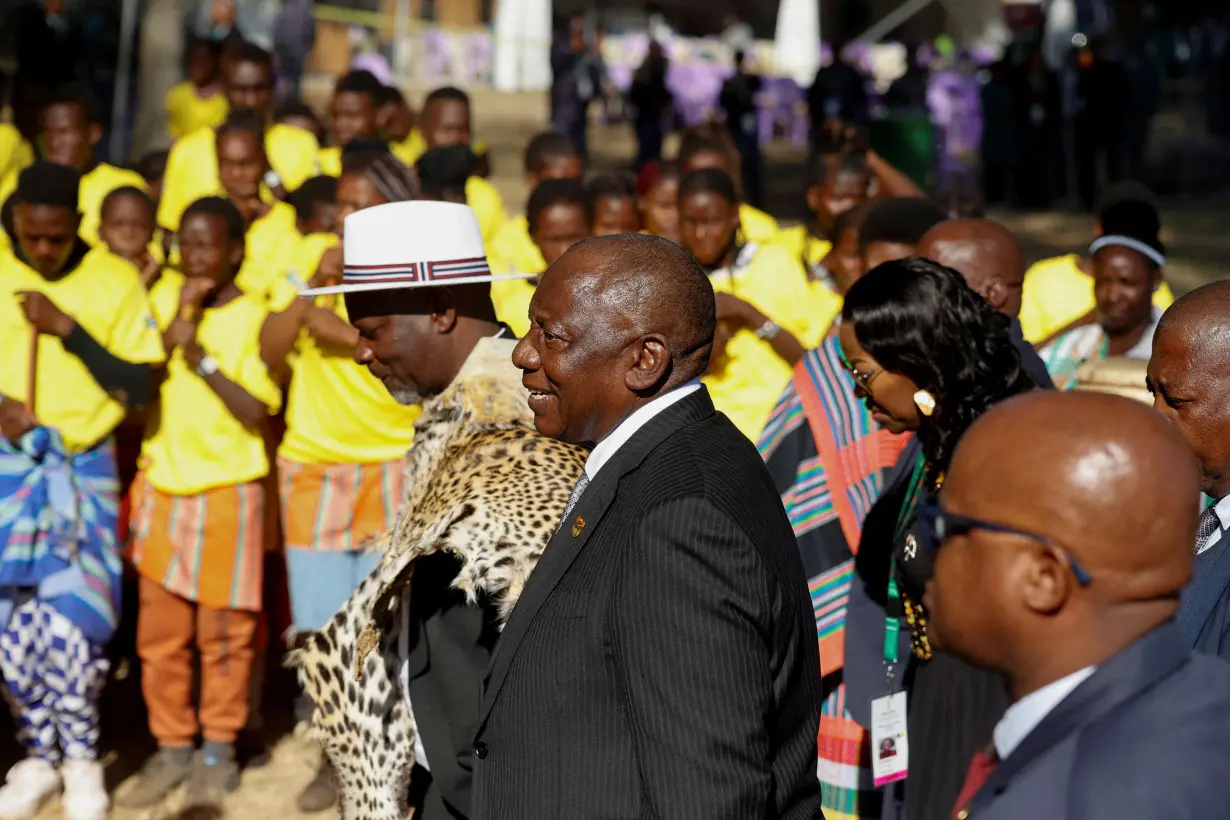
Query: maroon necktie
[980, 770]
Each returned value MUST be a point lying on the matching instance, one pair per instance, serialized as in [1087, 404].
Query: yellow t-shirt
[488, 206]
[192, 168]
[823, 307]
[753, 376]
[802, 246]
[757, 226]
[1057, 291]
[104, 295]
[512, 251]
[330, 161]
[410, 149]
[93, 189]
[269, 250]
[337, 412]
[194, 443]
[187, 110]
[15, 153]
[511, 298]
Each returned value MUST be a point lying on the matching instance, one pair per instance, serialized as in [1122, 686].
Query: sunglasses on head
[937, 525]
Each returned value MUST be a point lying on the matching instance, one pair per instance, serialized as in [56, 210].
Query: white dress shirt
[1222, 508]
[626, 429]
[1024, 716]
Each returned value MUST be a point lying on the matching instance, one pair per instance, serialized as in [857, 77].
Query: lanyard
[892, 621]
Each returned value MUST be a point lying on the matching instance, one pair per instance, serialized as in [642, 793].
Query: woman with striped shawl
[829, 461]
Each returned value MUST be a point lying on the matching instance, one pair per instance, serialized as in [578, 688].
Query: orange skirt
[336, 507]
[205, 547]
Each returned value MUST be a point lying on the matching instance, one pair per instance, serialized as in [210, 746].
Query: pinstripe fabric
[661, 661]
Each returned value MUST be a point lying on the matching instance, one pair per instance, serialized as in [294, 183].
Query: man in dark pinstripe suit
[661, 661]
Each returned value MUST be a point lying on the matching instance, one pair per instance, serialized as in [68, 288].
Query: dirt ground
[1200, 250]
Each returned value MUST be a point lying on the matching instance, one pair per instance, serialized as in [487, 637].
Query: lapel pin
[577, 526]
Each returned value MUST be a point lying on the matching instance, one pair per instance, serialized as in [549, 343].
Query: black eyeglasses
[938, 525]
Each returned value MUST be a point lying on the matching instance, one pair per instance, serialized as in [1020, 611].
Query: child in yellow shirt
[352, 115]
[446, 121]
[127, 230]
[192, 167]
[96, 344]
[70, 133]
[396, 119]
[271, 233]
[549, 155]
[560, 214]
[702, 149]
[762, 302]
[198, 522]
[197, 102]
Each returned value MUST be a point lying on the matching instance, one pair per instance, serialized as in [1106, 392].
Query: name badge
[890, 750]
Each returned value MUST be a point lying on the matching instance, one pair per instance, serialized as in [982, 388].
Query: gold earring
[925, 402]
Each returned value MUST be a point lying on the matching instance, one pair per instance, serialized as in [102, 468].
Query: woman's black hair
[920, 319]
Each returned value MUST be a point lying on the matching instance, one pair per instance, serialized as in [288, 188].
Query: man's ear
[443, 310]
[95, 133]
[995, 293]
[650, 364]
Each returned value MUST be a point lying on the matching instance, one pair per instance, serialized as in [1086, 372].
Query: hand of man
[736, 313]
[15, 420]
[149, 268]
[43, 314]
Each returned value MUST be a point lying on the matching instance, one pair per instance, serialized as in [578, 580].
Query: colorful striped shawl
[58, 526]
[833, 474]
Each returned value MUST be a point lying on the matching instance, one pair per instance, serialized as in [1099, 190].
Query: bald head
[655, 286]
[983, 251]
[1189, 377]
[615, 322]
[1107, 492]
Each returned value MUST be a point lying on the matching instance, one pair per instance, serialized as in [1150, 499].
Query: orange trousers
[168, 629]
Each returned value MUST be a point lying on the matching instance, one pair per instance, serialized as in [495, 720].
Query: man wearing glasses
[1065, 578]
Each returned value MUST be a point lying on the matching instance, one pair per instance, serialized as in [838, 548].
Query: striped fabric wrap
[833, 483]
[338, 507]
[58, 517]
[1067, 353]
[830, 461]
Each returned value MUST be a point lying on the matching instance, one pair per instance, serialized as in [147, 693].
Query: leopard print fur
[482, 484]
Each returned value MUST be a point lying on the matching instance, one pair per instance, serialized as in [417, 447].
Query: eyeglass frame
[860, 381]
[931, 517]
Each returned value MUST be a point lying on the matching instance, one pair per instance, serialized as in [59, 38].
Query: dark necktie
[1209, 524]
[980, 770]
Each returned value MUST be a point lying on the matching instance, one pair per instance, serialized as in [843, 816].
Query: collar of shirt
[1024, 716]
[618, 437]
[1222, 508]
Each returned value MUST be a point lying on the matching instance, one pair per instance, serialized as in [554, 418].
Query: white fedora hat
[412, 245]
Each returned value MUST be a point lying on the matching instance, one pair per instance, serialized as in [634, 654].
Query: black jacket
[662, 660]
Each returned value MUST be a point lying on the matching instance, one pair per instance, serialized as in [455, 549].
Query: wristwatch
[272, 179]
[207, 366]
[768, 331]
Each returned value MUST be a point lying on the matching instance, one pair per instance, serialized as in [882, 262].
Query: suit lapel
[584, 520]
[1200, 598]
[1136, 668]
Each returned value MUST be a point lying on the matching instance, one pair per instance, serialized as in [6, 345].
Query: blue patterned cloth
[58, 517]
[53, 676]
